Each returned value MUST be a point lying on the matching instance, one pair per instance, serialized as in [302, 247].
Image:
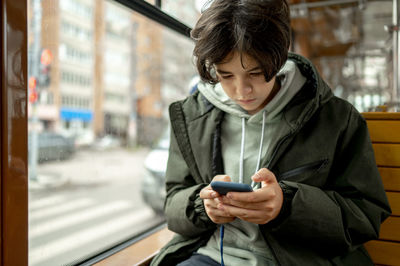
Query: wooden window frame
[13, 134]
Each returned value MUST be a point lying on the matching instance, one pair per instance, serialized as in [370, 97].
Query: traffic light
[45, 68]
[44, 75]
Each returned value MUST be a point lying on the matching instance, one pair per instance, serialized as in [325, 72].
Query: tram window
[351, 48]
[112, 74]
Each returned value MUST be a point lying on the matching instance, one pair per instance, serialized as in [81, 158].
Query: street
[86, 204]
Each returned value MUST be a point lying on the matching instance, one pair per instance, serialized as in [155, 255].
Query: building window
[76, 79]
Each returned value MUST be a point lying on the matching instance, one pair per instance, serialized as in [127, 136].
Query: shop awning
[78, 114]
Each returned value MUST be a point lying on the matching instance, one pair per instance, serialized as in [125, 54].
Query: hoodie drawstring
[242, 150]
[261, 147]
[241, 163]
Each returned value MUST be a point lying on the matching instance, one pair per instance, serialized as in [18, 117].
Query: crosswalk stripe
[47, 201]
[81, 238]
[59, 209]
[77, 218]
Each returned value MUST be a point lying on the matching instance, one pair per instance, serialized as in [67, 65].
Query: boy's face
[246, 86]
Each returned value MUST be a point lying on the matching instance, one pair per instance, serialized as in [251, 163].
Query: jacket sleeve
[184, 208]
[349, 209]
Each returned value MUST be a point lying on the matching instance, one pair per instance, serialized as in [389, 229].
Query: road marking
[44, 202]
[59, 209]
[78, 217]
[52, 249]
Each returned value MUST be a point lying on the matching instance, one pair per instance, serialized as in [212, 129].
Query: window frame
[13, 122]
[14, 134]
[154, 12]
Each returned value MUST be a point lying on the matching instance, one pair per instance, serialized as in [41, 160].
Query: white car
[153, 184]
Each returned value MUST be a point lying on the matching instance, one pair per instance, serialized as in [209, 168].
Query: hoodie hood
[291, 82]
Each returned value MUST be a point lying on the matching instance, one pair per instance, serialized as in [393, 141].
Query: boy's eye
[255, 74]
[226, 76]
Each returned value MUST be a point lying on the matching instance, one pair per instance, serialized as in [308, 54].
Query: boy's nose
[243, 87]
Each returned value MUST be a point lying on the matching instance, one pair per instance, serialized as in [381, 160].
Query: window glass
[186, 11]
[101, 79]
[351, 48]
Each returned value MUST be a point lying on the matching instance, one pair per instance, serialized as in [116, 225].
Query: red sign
[32, 83]
[33, 96]
[46, 57]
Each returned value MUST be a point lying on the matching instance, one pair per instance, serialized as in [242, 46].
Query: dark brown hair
[258, 28]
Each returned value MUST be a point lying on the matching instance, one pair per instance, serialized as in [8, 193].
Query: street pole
[33, 69]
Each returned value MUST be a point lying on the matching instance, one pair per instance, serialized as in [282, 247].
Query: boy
[266, 117]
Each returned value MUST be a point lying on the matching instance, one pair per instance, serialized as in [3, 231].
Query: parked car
[107, 142]
[52, 146]
[85, 139]
[153, 183]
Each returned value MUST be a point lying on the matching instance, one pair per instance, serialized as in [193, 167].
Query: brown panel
[1, 131]
[141, 252]
[384, 252]
[381, 116]
[384, 130]
[2, 23]
[390, 178]
[394, 201]
[390, 229]
[13, 143]
[387, 154]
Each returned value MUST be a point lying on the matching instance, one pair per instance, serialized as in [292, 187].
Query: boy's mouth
[246, 101]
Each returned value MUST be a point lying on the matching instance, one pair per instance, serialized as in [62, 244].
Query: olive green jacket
[334, 199]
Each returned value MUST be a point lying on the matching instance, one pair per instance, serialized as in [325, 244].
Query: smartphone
[224, 187]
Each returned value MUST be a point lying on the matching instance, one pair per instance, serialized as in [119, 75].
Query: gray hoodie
[243, 243]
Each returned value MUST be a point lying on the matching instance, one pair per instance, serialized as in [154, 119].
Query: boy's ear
[214, 73]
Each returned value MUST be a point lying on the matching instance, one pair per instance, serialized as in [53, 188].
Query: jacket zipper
[277, 148]
[281, 141]
[303, 169]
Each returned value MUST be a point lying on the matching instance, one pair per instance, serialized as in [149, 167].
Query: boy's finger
[264, 175]
[208, 193]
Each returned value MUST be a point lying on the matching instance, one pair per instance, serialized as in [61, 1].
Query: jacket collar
[314, 93]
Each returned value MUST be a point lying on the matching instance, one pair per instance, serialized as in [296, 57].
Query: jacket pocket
[310, 167]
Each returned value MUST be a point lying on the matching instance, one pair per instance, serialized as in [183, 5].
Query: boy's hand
[259, 206]
[212, 200]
